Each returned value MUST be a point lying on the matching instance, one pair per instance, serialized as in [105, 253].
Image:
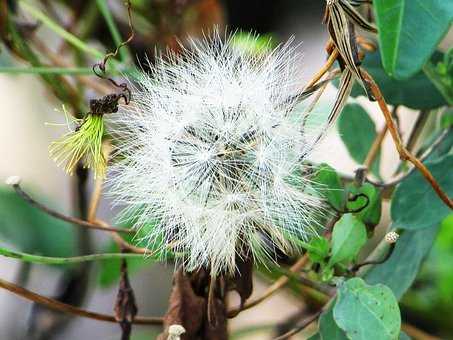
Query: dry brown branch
[69, 309]
[324, 69]
[402, 151]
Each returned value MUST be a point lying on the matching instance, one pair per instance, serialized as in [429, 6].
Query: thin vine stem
[46, 70]
[66, 218]
[324, 69]
[67, 260]
[106, 13]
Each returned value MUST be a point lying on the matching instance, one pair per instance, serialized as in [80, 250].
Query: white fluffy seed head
[210, 155]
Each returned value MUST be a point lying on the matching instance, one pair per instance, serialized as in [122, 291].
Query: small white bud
[175, 332]
[13, 180]
[392, 237]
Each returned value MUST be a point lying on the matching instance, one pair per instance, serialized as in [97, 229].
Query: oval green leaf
[400, 270]
[415, 204]
[367, 312]
[348, 237]
[409, 32]
[358, 132]
[402, 92]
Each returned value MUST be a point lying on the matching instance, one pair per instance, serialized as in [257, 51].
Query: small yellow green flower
[83, 144]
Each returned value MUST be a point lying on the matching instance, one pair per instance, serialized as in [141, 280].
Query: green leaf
[367, 312]
[318, 249]
[328, 184]
[444, 148]
[348, 237]
[434, 292]
[415, 204]
[358, 132]
[400, 270]
[409, 32]
[371, 214]
[33, 231]
[328, 328]
[402, 92]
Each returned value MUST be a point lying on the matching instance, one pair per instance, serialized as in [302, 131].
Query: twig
[324, 69]
[69, 309]
[63, 217]
[417, 130]
[318, 286]
[95, 199]
[97, 191]
[416, 333]
[271, 290]
[300, 327]
[425, 155]
[403, 152]
[375, 147]
[122, 243]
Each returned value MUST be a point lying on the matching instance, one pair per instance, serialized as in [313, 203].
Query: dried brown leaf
[185, 308]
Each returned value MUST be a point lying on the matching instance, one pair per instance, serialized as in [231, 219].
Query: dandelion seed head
[211, 154]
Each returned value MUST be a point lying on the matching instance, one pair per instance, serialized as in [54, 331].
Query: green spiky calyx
[85, 143]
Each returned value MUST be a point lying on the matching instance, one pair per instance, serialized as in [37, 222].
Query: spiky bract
[85, 143]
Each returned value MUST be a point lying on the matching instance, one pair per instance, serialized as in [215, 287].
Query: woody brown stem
[402, 151]
[324, 69]
[69, 309]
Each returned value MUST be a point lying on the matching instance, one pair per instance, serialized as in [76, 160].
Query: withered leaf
[185, 308]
